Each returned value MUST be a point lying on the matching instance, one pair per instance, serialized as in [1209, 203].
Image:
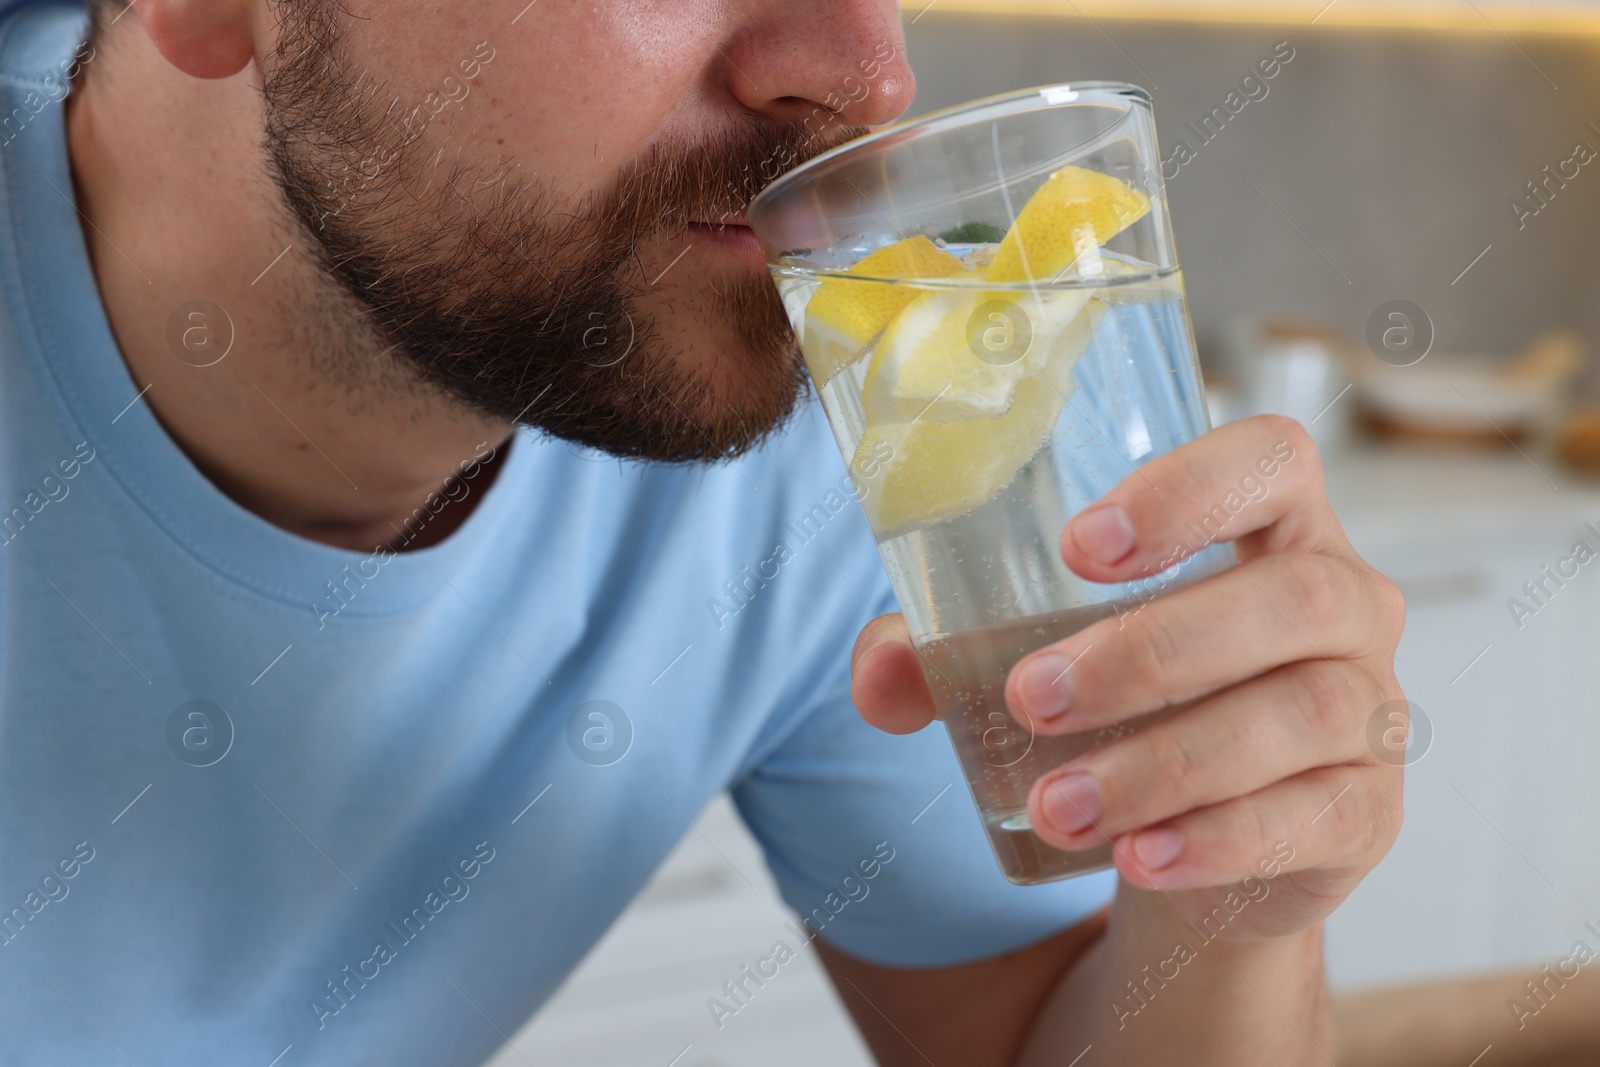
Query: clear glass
[980, 407]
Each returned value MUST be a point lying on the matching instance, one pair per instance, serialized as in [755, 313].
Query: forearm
[1156, 991]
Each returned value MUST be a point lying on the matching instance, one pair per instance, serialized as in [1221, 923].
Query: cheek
[586, 108]
[570, 92]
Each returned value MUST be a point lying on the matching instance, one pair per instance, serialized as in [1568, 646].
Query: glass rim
[963, 284]
[952, 117]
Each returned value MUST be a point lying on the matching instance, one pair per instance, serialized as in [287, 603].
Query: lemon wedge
[843, 316]
[1071, 216]
[966, 384]
[959, 354]
[938, 470]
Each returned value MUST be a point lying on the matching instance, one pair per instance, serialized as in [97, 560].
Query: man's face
[539, 204]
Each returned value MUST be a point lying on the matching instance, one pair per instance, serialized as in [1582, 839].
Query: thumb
[886, 682]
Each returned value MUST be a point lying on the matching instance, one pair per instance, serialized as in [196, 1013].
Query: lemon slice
[951, 355]
[965, 385]
[959, 354]
[938, 470]
[1071, 216]
[843, 317]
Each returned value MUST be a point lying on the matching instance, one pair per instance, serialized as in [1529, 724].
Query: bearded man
[398, 425]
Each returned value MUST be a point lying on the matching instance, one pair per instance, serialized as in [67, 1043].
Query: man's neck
[307, 421]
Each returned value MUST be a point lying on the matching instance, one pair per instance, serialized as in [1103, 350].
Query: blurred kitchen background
[1376, 178]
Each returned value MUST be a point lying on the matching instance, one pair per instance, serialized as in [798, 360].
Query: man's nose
[821, 62]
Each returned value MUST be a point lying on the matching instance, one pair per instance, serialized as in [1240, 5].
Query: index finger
[1258, 482]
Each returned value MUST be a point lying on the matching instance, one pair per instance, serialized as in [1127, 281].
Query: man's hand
[1277, 665]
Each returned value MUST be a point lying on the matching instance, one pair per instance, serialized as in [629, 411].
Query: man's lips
[731, 237]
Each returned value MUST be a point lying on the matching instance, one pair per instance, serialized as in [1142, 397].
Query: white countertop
[1390, 493]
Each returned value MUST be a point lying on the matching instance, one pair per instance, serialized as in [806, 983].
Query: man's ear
[202, 38]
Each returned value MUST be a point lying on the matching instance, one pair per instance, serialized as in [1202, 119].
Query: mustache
[674, 184]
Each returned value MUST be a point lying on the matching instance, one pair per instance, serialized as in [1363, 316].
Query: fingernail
[1044, 686]
[1157, 848]
[1105, 534]
[1072, 802]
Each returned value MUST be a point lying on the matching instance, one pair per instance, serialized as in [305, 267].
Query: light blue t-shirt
[258, 792]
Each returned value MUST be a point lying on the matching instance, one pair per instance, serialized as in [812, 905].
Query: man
[340, 720]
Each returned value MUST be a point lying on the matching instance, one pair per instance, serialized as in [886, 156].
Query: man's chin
[657, 404]
[751, 398]
[714, 366]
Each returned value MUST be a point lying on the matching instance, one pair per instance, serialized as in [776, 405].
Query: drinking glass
[991, 309]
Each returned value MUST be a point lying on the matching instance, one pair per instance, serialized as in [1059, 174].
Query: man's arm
[974, 1014]
[1047, 1003]
[1132, 999]
[1240, 820]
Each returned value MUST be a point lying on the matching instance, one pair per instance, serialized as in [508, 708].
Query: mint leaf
[974, 233]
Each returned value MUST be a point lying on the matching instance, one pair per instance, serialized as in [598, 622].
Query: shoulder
[42, 45]
[806, 575]
[800, 464]
[767, 545]
[792, 491]
[805, 533]
[764, 562]
[740, 585]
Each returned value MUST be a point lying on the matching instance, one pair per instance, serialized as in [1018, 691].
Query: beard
[479, 285]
